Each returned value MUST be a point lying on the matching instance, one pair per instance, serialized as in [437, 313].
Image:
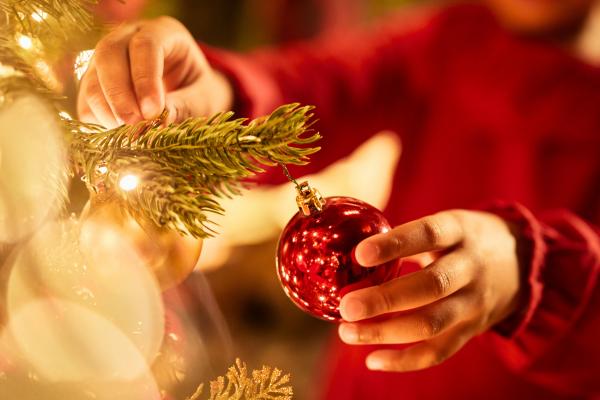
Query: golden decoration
[171, 256]
[266, 383]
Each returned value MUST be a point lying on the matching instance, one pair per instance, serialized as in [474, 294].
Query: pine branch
[184, 168]
[23, 78]
[60, 19]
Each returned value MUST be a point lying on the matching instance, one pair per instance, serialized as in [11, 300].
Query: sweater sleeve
[554, 340]
[360, 83]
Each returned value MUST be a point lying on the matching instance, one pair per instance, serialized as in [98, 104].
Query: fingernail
[367, 253]
[352, 309]
[348, 333]
[149, 108]
[374, 363]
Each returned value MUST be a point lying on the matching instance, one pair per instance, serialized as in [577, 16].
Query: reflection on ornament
[33, 167]
[314, 258]
[171, 256]
[89, 294]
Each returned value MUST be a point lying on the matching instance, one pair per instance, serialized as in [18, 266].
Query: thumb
[210, 94]
[178, 103]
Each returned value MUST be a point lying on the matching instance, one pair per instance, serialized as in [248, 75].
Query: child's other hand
[472, 286]
[139, 69]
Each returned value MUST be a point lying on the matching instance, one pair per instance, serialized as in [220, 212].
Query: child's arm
[361, 82]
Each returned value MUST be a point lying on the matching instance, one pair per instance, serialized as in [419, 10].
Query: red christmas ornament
[315, 262]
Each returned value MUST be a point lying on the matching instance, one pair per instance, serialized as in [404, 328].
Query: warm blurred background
[238, 266]
[244, 24]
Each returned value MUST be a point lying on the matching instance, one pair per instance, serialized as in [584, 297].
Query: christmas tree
[169, 175]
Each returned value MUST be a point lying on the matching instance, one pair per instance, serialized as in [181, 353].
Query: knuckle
[143, 80]
[117, 93]
[441, 282]
[433, 231]
[375, 335]
[142, 41]
[395, 242]
[105, 48]
[432, 325]
[385, 301]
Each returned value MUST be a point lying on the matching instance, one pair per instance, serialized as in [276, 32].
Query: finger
[180, 105]
[185, 103]
[435, 232]
[442, 278]
[423, 355]
[422, 324]
[422, 259]
[92, 103]
[85, 113]
[146, 56]
[113, 69]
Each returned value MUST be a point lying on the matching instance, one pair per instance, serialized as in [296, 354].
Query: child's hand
[139, 69]
[471, 287]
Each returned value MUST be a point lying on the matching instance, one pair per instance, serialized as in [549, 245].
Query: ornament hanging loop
[309, 200]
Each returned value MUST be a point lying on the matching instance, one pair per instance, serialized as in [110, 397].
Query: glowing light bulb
[25, 42]
[6, 71]
[39, 15]
[65, 115]
[103, 170]
[129, 182]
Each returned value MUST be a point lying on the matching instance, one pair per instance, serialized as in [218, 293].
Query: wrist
[517, 302]
[530, 250]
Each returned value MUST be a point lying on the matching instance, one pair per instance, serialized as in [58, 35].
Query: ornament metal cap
[309, 200]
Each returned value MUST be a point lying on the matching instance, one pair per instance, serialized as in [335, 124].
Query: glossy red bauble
[315, 262]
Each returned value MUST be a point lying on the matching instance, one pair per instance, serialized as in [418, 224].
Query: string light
[8, 71]
[129, 182]
[39, 15]
[65, 115]
[25, 42]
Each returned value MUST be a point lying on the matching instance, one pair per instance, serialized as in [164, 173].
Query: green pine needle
[184, 168]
